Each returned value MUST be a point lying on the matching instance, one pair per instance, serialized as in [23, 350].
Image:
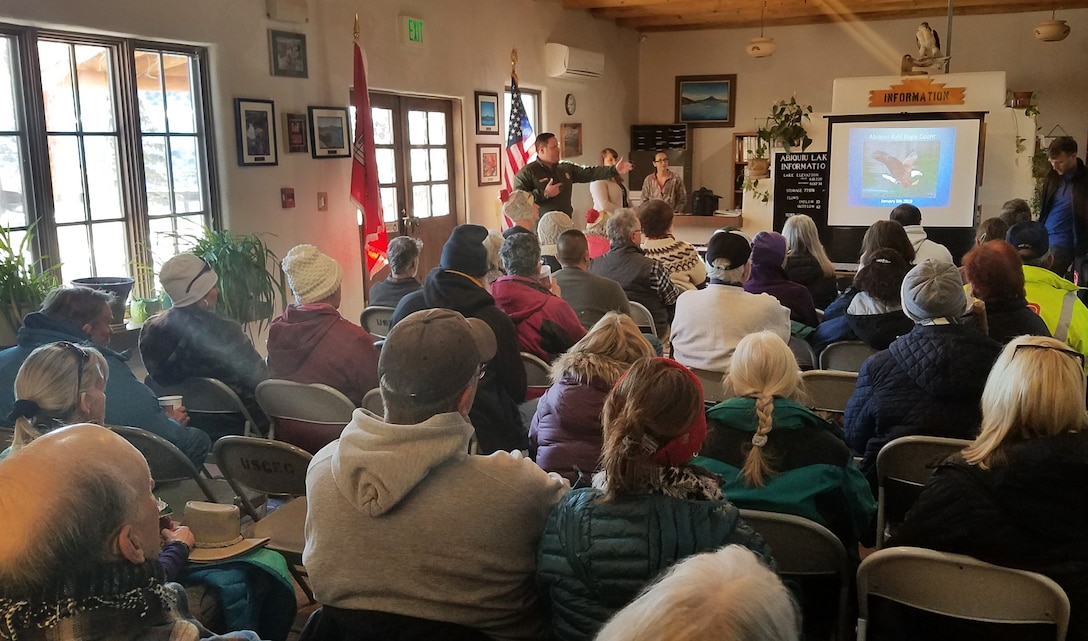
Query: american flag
[519, 140]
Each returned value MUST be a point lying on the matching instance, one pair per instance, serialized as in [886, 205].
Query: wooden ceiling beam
[603, 4]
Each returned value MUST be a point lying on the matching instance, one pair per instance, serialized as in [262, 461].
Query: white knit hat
[313, 276]
[187, 279]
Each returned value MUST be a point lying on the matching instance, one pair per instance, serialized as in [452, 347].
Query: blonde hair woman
[776, 454]
[647, 508]
[58, 384]
[807, 262]
[566, 434]
[724, 595]
[1015, 496]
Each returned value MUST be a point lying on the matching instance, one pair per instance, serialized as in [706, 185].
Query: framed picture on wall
[487, 113]
[295, 139]
[706, 101]
[570, 139]
[329, 137]
[488, 165]
[255, 121]
[287, 54]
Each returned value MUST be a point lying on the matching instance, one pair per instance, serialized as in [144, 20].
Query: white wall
[467, 48]
[809, 58]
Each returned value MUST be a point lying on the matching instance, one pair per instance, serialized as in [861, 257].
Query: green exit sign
[412, 30]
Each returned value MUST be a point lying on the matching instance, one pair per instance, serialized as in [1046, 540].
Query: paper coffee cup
[170, 402]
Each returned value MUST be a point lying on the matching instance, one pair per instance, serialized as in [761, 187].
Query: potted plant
[758, 163]
[250, 276]
[785, 126]
[22, 287]
[752, 184]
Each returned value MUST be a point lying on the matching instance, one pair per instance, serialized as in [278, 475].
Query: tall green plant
[22, 287]
[250, 276]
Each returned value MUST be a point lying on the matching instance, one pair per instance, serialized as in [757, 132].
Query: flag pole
[356, 27]
[514, 64]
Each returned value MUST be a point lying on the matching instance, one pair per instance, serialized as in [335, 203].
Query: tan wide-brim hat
[217, 529]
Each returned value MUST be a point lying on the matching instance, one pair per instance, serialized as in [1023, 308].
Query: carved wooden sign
[917, 91]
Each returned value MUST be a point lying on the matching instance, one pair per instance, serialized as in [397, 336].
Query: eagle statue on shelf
[901, 171]
[929, 43]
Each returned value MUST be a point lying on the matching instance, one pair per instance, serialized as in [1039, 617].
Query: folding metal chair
[903, 467]
[830, 390]
[209, 396]
[372, 401]
[643, 318]
[375, 320]
[845, 356]
[307, 415]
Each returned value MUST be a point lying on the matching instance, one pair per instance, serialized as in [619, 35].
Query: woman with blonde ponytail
[58, 384]
[775, 454]
[648, 508]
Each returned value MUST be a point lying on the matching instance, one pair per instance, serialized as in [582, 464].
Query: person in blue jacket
[82, 315]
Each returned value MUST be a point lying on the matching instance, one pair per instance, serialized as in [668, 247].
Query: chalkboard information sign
[801, 186]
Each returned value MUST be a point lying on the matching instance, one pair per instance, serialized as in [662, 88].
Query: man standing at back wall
[550, 180]
[1064, 208]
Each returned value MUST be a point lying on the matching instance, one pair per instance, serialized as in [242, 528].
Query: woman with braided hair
[648, 508]
[777, 455]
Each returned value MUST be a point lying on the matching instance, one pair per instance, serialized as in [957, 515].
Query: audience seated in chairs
[776, 454]
[566, 434]
[597, 232]
[457, 284]
[994, 274]
[406, 531]
[870, 310]
[680, 260]
[521, 208]
[589, 295]
[928, 381]
[807, 262]
[910, 217]
[98, 576]
[1015, 497]
[403, 257]
[723, 595]
[643, 279]
[768, 276]
[710, 322]
[647, 508]
[546, 324]
[551, 225]
[189, 339]
[311, 342]
[81, 315]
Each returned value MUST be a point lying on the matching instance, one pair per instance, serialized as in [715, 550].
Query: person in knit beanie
[312, 343]
[551, 225]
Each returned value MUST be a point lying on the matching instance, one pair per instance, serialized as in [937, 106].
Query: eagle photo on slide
[901, 171]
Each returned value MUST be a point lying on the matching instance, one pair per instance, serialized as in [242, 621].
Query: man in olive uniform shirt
[549, 180]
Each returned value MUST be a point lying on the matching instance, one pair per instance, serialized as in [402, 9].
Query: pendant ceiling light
[761, 47]
[1052, 30]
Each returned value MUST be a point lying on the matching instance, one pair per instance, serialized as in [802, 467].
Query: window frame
[34, 141]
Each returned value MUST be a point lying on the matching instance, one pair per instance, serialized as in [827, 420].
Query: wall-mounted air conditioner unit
[566, 62]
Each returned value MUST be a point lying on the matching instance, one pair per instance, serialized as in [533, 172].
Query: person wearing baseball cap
[407, 486]
[710, 322]
[1052, 297]
[928, 381]
[458, 284]
[191, 340]
[311, 342]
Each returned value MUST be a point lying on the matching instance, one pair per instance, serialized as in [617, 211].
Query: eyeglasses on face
[1077, 356]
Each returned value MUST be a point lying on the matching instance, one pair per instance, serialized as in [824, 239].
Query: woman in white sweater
[609, 195]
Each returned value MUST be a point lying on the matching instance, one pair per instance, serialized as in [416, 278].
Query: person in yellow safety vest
[1052, 297]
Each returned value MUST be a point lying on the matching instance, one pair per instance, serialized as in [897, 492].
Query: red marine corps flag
[364, 171]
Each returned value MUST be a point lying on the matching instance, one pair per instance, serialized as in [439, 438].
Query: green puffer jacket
[596, 556]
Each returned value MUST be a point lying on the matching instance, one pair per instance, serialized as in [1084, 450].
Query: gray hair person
[403, 255]
[621, 226]
[520, 255]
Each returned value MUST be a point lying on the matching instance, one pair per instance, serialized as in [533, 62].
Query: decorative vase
[119, 286]
[759, 167]
[1052, 30]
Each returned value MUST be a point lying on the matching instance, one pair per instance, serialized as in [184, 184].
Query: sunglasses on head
[1077, 356]
[207, 268]
[81, 356]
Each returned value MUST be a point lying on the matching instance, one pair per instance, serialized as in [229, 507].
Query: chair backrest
[829, 390]
[846, 356]
[164, 459]
[960, 586]
[713, 387]
[537, 372]
[372, 401]
[307, 415]
[375, 320]
[803, 353]
[903, 467]
[805, 548]
[207, 396]
[643, 318]
[269, 467]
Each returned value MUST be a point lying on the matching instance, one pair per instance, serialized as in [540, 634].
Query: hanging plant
[785, 126]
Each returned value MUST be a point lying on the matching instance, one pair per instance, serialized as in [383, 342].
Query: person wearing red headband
[647, 509]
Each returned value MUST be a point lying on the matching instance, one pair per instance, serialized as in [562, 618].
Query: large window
[103, 148]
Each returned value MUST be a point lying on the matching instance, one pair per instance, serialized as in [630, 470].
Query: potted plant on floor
[22, 287]
[250, 276]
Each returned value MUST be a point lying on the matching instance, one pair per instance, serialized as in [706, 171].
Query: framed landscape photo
[287, 54]
[488, 165]
[329, 134]
[706, 101]
[255, 121]
[295, 139]
[487, 113]
[570, 139]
